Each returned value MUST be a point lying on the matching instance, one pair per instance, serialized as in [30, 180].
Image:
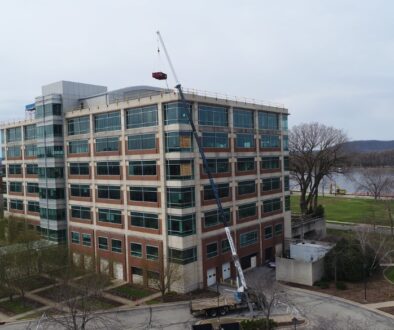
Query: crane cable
[159, 59]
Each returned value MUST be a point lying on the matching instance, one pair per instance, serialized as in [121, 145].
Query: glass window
[285, 143]
[14, 134]
[107, 144]
[4, 187]
[75, 237]
[48, 110]
[52, 214]
[287, 183]
[271, 184]
[142, 117]
[212, 250]
[270, 163]
[79, 125]
[245, 164]
[246, 187]
[116, 245]
[247, 210]
[271, 205]
[108, 192]
[222, 188]
[52, 130]
[33, 206]
[14, 169]
[14, 152]
[248, 238]
[32, 188]
[285, 125]
[80, 190]
[5, 204]
[79, 169]
[243, 118]
[180, 197]
[103, 243]
[145, 220]
[245, 141]
[225, 245]
[31, 150]
[278, 229]
[142, 167]
[268, 232]
[212, 218]
[141, 142]
[211, 115]
[270, 141]
[214, 140]
[268, 120]
[16, 204]
[179, 142]
[111, 216]
[143, 194]
[86, 239]
[286, 163]
[152, 252]
[109, 121]
[183, 257]
[30, 132]
[50, 172]
[218, 165]
[287, 203]
[80, 212]
[78, 147]
[108, 168]
[136, 250]
[16, 187]
[31, 169]
[181, 225]
[52, 151]
[179, 169]
[52, 193]
[175, 113]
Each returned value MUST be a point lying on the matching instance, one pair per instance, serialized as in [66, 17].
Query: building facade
[118, 175]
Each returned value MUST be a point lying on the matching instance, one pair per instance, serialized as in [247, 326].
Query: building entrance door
[226, 273]
[211, 276]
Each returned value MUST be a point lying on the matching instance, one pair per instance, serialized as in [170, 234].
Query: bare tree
[169, 273]
[268, 295]
[76, 308]
[375, 182]
[372, 249]
[316, 151]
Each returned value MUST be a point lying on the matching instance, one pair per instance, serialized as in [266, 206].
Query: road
[333, 313]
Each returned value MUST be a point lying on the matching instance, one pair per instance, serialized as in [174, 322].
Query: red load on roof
[159, 75]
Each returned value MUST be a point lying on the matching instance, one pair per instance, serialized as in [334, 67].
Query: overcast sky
[327, 61]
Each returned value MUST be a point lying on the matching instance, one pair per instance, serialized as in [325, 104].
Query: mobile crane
[242, 290]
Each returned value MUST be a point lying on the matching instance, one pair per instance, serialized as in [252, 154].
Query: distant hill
[369, 146]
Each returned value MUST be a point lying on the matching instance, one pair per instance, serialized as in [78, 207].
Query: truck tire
[212, 312]
[223, 311]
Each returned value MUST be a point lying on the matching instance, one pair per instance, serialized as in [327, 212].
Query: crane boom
[242, 287]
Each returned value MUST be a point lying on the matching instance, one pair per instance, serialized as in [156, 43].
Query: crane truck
[241, 297]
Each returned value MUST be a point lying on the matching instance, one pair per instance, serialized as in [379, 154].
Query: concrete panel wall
[300, 272]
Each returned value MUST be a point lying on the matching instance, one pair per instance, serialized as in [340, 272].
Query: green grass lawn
[132, 291]
[358, 210]
[16, 306]
[99, 303]
[389, 272]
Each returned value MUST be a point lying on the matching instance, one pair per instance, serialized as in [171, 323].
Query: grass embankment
[389, 273]
[357, 210]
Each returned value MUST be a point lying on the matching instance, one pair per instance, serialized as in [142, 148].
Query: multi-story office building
[119, 175]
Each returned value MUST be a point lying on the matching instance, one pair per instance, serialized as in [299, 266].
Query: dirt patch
[389, 310]
[378, 290]
[59, 293]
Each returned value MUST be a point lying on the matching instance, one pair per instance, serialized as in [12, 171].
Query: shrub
[322, 284]
[258, 324]
[341, 285]
[319, 212]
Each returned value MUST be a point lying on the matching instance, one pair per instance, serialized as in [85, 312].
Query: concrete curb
[342, 300]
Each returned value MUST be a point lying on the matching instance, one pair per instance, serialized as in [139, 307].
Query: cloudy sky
[327, 61]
